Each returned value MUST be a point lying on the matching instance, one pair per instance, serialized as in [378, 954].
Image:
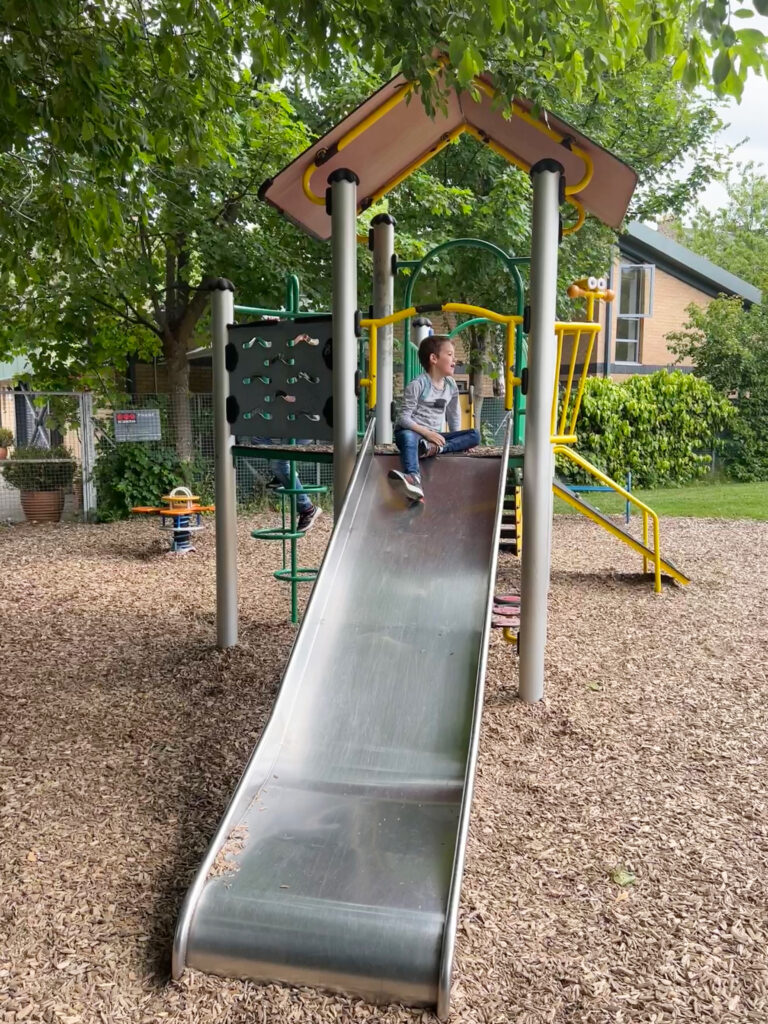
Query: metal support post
[383, 235]
[546, 176]
[222, 315]
[342, 197]
[422, 328]
[88, 454]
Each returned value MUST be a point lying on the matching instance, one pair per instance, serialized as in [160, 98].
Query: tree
[729, 347]
[735, 236]
[130, 150]
[146, 296]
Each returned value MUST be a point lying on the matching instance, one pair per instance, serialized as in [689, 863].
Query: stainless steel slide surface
[338, 862]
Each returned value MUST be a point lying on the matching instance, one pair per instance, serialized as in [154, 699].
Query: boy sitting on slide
[429, 401]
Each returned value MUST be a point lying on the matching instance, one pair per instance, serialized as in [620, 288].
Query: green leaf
[762, 7]
[498, 13]
[728, 36]
[650, 44]
[721, 68]
[622, 877]
[468, 67]
[679, 66]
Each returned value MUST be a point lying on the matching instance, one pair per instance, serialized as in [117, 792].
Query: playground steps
[511, 534]
[564, 492]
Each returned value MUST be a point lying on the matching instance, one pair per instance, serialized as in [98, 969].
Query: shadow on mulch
[610, 580]
[206, 778]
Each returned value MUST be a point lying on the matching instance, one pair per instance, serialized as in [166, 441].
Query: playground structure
[181, 515]
[352, 814]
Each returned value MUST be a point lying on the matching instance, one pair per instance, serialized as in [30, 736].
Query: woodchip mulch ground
[124, 731]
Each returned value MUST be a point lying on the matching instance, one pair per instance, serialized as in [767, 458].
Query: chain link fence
[46, 455]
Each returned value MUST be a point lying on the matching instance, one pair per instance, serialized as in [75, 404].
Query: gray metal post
[422, 328]
[223, 314]
[546, 176]
[343, 202]
[383, 236]
[88, 454]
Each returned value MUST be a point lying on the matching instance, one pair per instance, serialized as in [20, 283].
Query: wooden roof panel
[406, 133]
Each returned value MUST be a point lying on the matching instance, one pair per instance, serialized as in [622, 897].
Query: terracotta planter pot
[42, 506]
[3, 453]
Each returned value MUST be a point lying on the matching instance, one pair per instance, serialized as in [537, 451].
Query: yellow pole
[509, 365]
[560, 328]
[645, 539]
[569, 382]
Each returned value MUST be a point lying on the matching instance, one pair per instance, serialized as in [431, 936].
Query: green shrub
[661, 426]
[6, 437]
[729, 346]
[41, 475]
[132, 473]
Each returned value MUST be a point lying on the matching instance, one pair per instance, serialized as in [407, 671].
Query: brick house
[655, 279]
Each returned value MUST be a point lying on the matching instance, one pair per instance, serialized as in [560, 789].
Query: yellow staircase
[649, 548]
[564, 434]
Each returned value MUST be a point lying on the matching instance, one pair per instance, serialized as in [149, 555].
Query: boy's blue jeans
[407, 442]
[282, 470]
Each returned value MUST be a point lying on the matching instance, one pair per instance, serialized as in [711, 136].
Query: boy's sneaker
[427, 450]
[408, 484]
[308, 519]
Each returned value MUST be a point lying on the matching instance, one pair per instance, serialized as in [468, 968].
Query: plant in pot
[6, 440]
[42, 475]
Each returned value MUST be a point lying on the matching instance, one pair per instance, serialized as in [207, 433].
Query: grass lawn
[717, 500]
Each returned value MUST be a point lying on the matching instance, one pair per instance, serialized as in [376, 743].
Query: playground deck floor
[617, 868]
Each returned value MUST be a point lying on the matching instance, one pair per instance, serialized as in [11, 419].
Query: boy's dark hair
[431, 345]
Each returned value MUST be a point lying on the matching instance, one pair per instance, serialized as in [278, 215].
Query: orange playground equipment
[182, 515]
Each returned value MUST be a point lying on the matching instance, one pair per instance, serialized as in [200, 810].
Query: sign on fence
[137, 425]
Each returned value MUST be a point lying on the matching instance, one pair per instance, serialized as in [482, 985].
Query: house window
[628, 331]
[635, 305]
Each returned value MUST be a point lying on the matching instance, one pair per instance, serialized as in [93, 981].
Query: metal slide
[338, 863]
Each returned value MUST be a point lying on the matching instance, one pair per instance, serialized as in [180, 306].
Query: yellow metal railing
[566, 427]
[564, 431]
[647, 513]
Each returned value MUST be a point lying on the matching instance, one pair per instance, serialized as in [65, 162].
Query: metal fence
[47, 472]
[59, 436]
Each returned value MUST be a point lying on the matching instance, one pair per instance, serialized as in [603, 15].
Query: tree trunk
[177, 366]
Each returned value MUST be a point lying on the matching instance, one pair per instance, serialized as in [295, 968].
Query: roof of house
[646, 245]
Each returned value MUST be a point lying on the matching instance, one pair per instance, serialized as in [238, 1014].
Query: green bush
[729, 346]
[661, 426]
[131, 473]
[6, 437]
[42, 474]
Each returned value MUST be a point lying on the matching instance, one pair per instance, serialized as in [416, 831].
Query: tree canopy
[134, 136]
[735, 236]
[729, 347]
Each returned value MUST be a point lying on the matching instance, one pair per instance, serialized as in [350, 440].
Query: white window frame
[650, 269]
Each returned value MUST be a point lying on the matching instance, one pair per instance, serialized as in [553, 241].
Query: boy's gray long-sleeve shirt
[436, 405]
